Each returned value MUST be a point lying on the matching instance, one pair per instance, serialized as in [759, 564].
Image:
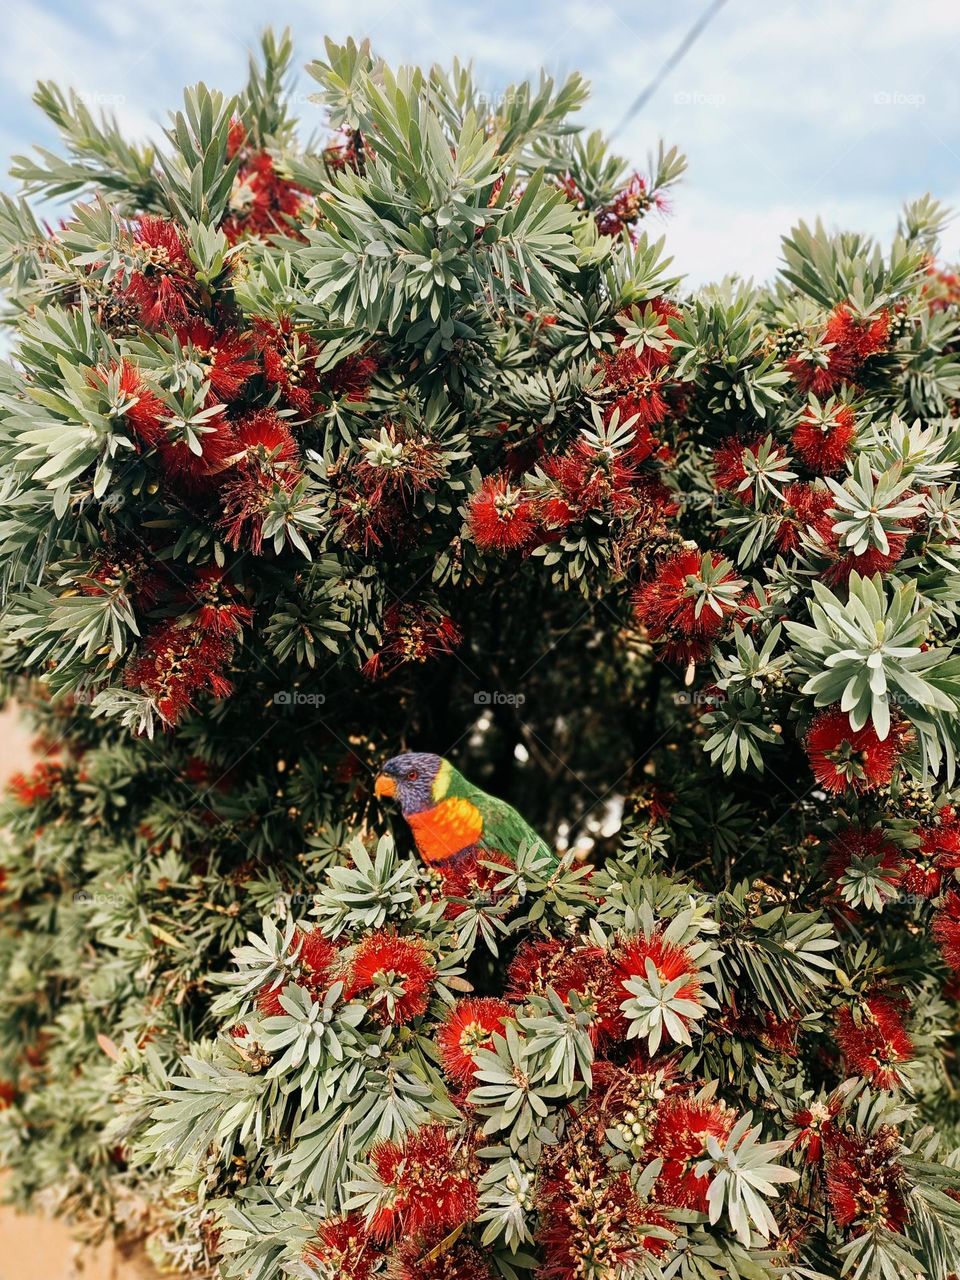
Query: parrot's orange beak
[384, 786]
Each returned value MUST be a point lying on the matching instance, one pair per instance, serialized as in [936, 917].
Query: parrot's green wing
[504, 829]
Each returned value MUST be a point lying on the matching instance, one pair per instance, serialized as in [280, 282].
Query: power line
[686, 43]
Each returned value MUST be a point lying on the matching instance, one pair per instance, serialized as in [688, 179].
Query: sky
[786, 110]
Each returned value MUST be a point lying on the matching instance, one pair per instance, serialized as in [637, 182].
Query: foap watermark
[498, 698]
[97, 98]
[699, 697]
[84, 898]
[297, 698]
[896, 98]
[696, 98]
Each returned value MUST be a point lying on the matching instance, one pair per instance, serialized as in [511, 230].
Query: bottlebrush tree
[409, 439]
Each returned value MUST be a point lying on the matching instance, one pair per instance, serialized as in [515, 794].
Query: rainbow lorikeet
[449, 816]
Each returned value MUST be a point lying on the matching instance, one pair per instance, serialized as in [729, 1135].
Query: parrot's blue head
[417, 779]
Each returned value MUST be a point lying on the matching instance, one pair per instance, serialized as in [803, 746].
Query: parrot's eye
[412, 776]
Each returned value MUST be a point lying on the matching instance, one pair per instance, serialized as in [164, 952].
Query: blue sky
[786, 110]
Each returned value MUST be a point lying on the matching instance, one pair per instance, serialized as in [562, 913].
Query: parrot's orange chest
[450, 826]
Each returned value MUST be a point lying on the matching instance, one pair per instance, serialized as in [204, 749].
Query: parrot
[450, 817]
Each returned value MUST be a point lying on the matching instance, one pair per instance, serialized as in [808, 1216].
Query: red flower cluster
[843, 758]
[316, 963]
[874, 1041]
[469, 1026]
[289, 362]
[412, 632]
[225, 358]
[459, 1261]
[431, 1183]
[859, 843]
[816, 1126]
[37, 785]
[162, 284]
[680, 1132]
[179, 662]
[469, 878]
[687, 608]
[640, 382]
[946, 928]
[849, 340]
[823, 436]
[865, 1180]
[376, 497]
[805, 509]
[262, 202]
[728, 469]
[937, 854]
[670, 959]
[219, 608]
[342, 1248]
[501, 518]
[264, 460]
[397, 971]
[628, 207]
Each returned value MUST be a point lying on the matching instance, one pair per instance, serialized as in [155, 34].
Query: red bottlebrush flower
[467, 878]
[264, 458]
[8, 1095]
[459, 1261]
[342, 1250]
[38, 785]
[162, 283]
[946, 929]
[938, 853]
[848, 341]
[823, 436]
[289, 362]
[860, 843]
[875, 1043]
[412, 632]
[534, 967]
[640, 375]
[176, 664]
[804, 508]
[688, 603]
[843, 758]
[432, 1185]
[261, 201]
[868, 562]
[219, 610]
[469, 1026]
[670, 959]
[265, 441]
[132, 574]
[316, 956]
[225, 358]
[591, 479]
[142, 408]
[268, 1003]
[590, 972]
[729, 472]
[865, 1181]
[397, 971]
[816, 1125]
[680, 1132]
[351, 378]
[500, 517]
